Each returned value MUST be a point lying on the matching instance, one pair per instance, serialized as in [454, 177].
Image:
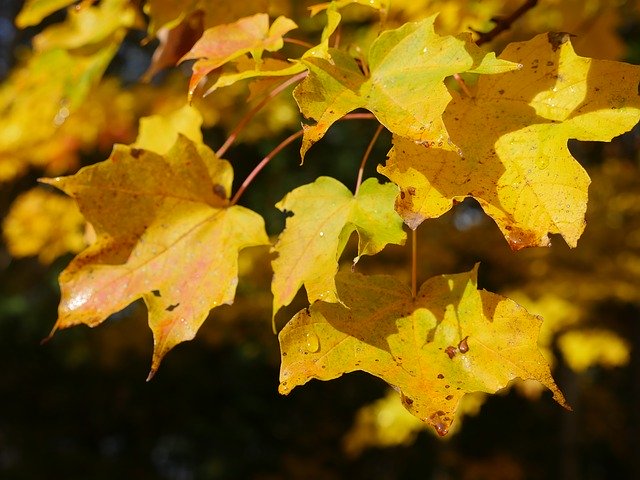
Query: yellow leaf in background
[582, 349]
[34, 11]
[559, 315]
[386, 423]
[88, 25]
[159, 133]
[518, 167]
[450, 340]
[44, 224]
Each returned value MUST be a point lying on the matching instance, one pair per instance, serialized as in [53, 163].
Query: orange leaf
[223, 43]
[165, 233]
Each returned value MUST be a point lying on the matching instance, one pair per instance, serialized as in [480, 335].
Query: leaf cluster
[168, 229]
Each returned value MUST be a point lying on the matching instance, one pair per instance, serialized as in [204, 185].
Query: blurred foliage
[77, 407]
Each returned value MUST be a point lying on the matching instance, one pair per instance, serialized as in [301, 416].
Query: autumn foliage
[471, 115]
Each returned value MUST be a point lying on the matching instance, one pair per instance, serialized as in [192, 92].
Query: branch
[251, 113]
[366, 156]
[263, 163]
[504, 23]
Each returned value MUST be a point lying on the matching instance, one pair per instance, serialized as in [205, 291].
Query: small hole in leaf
[156, 293]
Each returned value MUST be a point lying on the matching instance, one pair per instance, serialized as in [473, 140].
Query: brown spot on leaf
[171, 308]
[136, 152]
[219, 191]
[449, 397]
[411, 190]
[438, 424]
[451, 351]
[156, 293]
[440, 376]
[557, 39]
[463, 346]
[406, 400]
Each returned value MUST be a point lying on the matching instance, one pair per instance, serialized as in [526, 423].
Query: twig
[504, 23]
[366, 156]
[263, 163]
[414, 263]
[251, 113]
[359, 116]
[463, 86]
[295, 41]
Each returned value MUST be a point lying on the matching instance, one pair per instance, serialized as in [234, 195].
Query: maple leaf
[223, 43]
[404, 89]
[518, 166]
[452, 339]
[326, 213]
[165, 233]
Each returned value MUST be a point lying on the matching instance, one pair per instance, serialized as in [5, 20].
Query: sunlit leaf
[325, 214]
[452, 339]
[519, 168]
[404, 89]
[165, 233]
[223, 43]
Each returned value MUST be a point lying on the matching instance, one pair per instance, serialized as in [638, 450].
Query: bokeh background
[78, 406]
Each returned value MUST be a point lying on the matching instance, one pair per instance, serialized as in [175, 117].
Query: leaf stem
[462, 85]
[365, 157]
[263, 163]
[252, 113]
[295, 41]
[359, 116]
[414, 263]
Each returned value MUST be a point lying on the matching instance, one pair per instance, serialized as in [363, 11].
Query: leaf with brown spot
[382, 330]
[163, 235]
[518, 166]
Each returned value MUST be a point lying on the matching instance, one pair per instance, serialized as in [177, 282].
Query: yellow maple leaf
[452, 339]
[518, 165]
[326, 213]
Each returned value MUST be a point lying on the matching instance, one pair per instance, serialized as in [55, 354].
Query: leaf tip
[283, 388]
[152, 372]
